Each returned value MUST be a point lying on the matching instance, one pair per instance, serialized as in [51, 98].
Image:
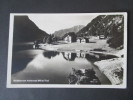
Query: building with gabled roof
[69, 37]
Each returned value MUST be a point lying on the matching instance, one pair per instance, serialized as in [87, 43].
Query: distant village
[72, 37]
[67, 38]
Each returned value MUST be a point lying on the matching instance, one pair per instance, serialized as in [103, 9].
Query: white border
[10, 44]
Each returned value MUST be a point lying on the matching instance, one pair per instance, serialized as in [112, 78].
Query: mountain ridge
[26, 30]
[112, 26]
[62, 32]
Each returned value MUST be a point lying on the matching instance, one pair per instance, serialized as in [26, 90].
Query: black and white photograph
[67, 50]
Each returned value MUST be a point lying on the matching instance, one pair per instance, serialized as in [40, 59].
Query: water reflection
[69, 56]
[89, 56]
[81, 55]
[50, 54]
[57, 67]
[97, 57]
[19, 64]
[83, 76]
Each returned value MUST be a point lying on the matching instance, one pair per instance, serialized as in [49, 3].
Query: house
[82, 40]
[69, 37]
[79, 40]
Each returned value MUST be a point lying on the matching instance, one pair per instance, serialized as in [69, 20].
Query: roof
[82, 37]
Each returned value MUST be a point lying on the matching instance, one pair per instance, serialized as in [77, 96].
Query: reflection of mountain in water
[56, 67]
[50, 54]
[19, 64]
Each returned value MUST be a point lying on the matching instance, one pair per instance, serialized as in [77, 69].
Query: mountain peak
[62, 32]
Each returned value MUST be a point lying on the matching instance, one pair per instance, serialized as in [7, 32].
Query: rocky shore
[113, 69]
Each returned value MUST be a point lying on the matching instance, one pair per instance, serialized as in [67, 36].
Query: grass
[93, 45]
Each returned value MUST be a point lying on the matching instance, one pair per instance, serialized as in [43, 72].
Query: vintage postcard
[67, 50]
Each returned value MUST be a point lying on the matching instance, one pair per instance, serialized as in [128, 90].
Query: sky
[54, 22]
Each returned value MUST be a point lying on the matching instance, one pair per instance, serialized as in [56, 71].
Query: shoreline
[111, 68]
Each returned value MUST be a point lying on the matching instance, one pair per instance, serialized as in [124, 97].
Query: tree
[49, 39]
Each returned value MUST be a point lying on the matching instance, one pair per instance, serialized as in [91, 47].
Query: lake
[52, 67]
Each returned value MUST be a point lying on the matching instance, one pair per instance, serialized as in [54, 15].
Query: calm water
[51, 67]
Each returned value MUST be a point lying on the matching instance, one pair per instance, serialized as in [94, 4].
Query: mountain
[112, 26]
[61, 33]
[25, 30]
